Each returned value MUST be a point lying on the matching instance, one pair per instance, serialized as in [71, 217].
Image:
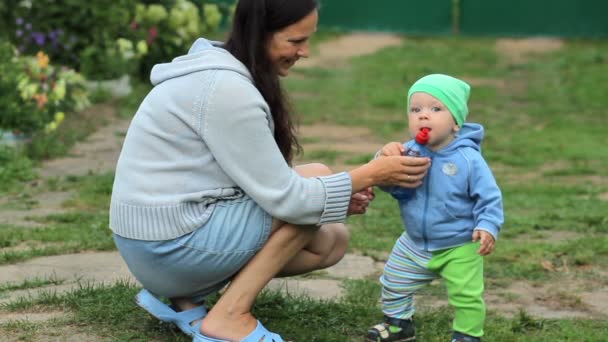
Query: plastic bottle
[422, 138]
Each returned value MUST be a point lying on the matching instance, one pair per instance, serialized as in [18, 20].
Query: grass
[545, 121]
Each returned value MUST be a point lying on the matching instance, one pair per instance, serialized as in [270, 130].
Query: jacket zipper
[426, 207]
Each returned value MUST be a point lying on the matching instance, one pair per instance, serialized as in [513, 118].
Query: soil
[98, 154]
[516, 50]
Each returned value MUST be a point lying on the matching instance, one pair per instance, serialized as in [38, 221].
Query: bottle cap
[423, 136]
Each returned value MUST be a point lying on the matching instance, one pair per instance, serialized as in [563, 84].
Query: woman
[204, 193]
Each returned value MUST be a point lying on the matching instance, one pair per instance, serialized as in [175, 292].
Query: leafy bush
[83, 35]
[16, 114]
[34, 94]
[68, 29]
[160, 31]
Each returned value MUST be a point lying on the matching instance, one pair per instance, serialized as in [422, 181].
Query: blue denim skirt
[203, 261]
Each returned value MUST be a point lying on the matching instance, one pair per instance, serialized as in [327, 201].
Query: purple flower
[19, 33]
[54, 36]
[19, 21]
[28, 26]
[39, 37]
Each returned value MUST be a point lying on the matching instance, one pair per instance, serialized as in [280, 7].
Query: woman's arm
[236, 126]
[406, 172]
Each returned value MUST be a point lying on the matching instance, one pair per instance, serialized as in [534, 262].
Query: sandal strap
[402, 331]
[167, 313]
[191, 315]
[398, 322]
[261, 332]
[382, 331]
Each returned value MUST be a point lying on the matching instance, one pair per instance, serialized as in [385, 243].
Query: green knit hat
[452, 92]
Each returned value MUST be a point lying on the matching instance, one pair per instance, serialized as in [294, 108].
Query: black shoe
[392, 330]
[460, 337]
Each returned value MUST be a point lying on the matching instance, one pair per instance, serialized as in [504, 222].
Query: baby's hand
[487, 241]
[392, 149]
[360, 201]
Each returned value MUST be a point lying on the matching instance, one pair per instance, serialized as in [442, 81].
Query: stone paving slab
[108, 267]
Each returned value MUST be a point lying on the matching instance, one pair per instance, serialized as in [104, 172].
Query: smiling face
[427, 111]
[292, 43]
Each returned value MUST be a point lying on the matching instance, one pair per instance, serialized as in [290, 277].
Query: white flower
[142, 47]
[212, 16]
[156, 13]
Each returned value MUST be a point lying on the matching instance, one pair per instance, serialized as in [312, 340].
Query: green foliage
[159, 32]
[106, 41]
[37, 94]
[16, 113]
[104, 62]
[15, 169]
[66, 29]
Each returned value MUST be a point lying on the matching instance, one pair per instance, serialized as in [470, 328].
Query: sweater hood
[470, 135]
[203, 55]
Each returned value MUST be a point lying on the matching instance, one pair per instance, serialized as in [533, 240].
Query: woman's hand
[392, 149]
[406, 172]
[360, 201]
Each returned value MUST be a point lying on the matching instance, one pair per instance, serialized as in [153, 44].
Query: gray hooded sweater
[203, 134]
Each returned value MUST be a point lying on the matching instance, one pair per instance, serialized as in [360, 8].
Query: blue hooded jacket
[458, 195]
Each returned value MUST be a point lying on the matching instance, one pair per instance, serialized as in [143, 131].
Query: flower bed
[35, 95]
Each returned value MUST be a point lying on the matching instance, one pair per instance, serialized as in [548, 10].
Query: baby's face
[427, 111]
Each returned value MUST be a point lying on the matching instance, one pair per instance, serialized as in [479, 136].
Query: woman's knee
[340, 236]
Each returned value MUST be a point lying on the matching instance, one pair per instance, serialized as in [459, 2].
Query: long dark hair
[253, 24]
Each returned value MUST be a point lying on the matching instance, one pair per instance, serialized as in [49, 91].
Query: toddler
[451, 221]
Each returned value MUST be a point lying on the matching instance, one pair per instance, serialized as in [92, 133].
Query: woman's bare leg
[326, 248]
[230, 318]
[329, 243]
[289, 250]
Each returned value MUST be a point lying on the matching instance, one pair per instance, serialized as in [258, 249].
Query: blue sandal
[182, 319]
[255, 336]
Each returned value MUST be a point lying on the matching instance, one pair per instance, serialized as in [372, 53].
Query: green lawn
[545, 121]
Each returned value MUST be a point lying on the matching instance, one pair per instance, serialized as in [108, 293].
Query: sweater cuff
[338, 188]
[488, 227]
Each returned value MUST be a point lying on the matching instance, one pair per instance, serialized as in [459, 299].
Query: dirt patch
[53, 334]
[563, 299]
[558, 169]
[33, 317]
[334, 132]
[491, 82]
[345, 142]
[516, 50]
[550, 236]
[335, 53]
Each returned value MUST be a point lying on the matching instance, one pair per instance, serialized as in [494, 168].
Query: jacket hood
[470, 135]
[203, 55]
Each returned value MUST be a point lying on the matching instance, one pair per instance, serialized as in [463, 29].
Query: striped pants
[408, 269]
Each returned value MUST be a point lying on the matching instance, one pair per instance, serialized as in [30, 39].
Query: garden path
[98, 155]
